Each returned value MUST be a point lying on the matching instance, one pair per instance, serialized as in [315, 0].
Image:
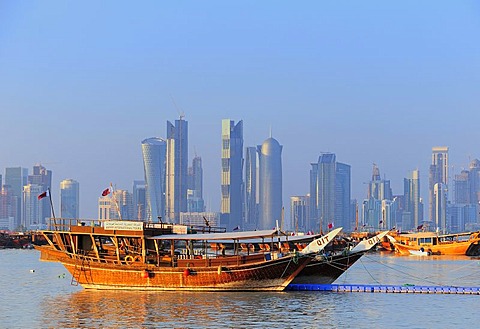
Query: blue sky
[83, 83]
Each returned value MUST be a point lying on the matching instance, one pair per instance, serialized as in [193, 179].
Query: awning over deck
[236, 236]
[247, 235]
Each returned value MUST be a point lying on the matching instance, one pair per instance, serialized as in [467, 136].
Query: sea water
[35, 294]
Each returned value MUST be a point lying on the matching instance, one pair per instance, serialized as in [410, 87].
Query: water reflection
[45, 299]
[172, 309]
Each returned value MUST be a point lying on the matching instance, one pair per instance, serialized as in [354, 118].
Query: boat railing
[65, 224]
[84, 257]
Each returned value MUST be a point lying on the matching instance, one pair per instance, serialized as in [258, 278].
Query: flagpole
[114, 194]
[51, 205]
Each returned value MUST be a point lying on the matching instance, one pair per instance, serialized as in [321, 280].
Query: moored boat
[435, 244]
[327, 267]
[132, 255]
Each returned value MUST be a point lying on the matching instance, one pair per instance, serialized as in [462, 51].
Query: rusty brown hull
[267, 275]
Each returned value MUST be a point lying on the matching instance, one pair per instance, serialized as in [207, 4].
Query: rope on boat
[425, 279]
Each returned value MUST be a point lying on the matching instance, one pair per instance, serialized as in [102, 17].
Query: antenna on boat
[207, 223]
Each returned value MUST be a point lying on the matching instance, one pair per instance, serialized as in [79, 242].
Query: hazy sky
[83, 83]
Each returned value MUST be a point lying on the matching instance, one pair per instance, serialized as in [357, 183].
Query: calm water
[45, 299]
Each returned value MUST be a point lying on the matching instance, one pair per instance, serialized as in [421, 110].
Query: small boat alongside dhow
[435, 244]
[134, 255]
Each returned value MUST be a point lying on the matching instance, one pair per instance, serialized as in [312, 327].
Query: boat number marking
[373, 240]
[322, 240]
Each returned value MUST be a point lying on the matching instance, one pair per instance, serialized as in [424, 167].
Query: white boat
[420, 252]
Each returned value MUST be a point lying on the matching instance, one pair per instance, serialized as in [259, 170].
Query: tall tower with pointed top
[270, 183]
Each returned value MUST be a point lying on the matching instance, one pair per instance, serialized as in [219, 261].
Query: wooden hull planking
[326, 270]
[272, 275]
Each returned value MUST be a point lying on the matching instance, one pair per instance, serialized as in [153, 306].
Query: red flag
[42, 195]
[330, 226]
[106, 192]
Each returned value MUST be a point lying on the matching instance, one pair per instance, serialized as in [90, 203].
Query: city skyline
[377, 83]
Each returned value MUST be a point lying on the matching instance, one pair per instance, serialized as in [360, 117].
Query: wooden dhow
[133, 255]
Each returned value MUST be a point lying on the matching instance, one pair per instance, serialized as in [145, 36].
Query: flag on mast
[106, 191]
[42, 195]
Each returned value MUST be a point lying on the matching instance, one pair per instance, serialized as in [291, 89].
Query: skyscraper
[474, 179]
[438, 174]
[42, 177]
[330, 194]
[232, 170]
[176, 169]
[154, 152]
[251, 204]
[412, 200]
[8, 208]
[15, 180]
[313, 219]
[461, 184]
[298, 213]
[69, 199]
[195, 201]
[140, 200]
[343, 214]
[326, 189]
[270, 183]
[440, 206]
[379, 188]
[32, 207]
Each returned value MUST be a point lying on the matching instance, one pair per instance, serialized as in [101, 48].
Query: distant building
[270, 183]
[343, 216]
[154, 152]
[372, 214]
[330, 194]
[438, 174]
[326, 189]
[388, 215]
[412, 200]
[15, 180]
[33, 207]
[299, 212]
[198, 218]
[42, 177]
[474, 181]
[69, 199]
[140, 200]
[232, 198]
[313, 220]
[176, 169]
[379, 188]
[440, 206]
[8, 208]
[195, 202]
[117, 205]
[251, 198]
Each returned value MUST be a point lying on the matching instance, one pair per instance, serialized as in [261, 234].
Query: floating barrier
[407, 288]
